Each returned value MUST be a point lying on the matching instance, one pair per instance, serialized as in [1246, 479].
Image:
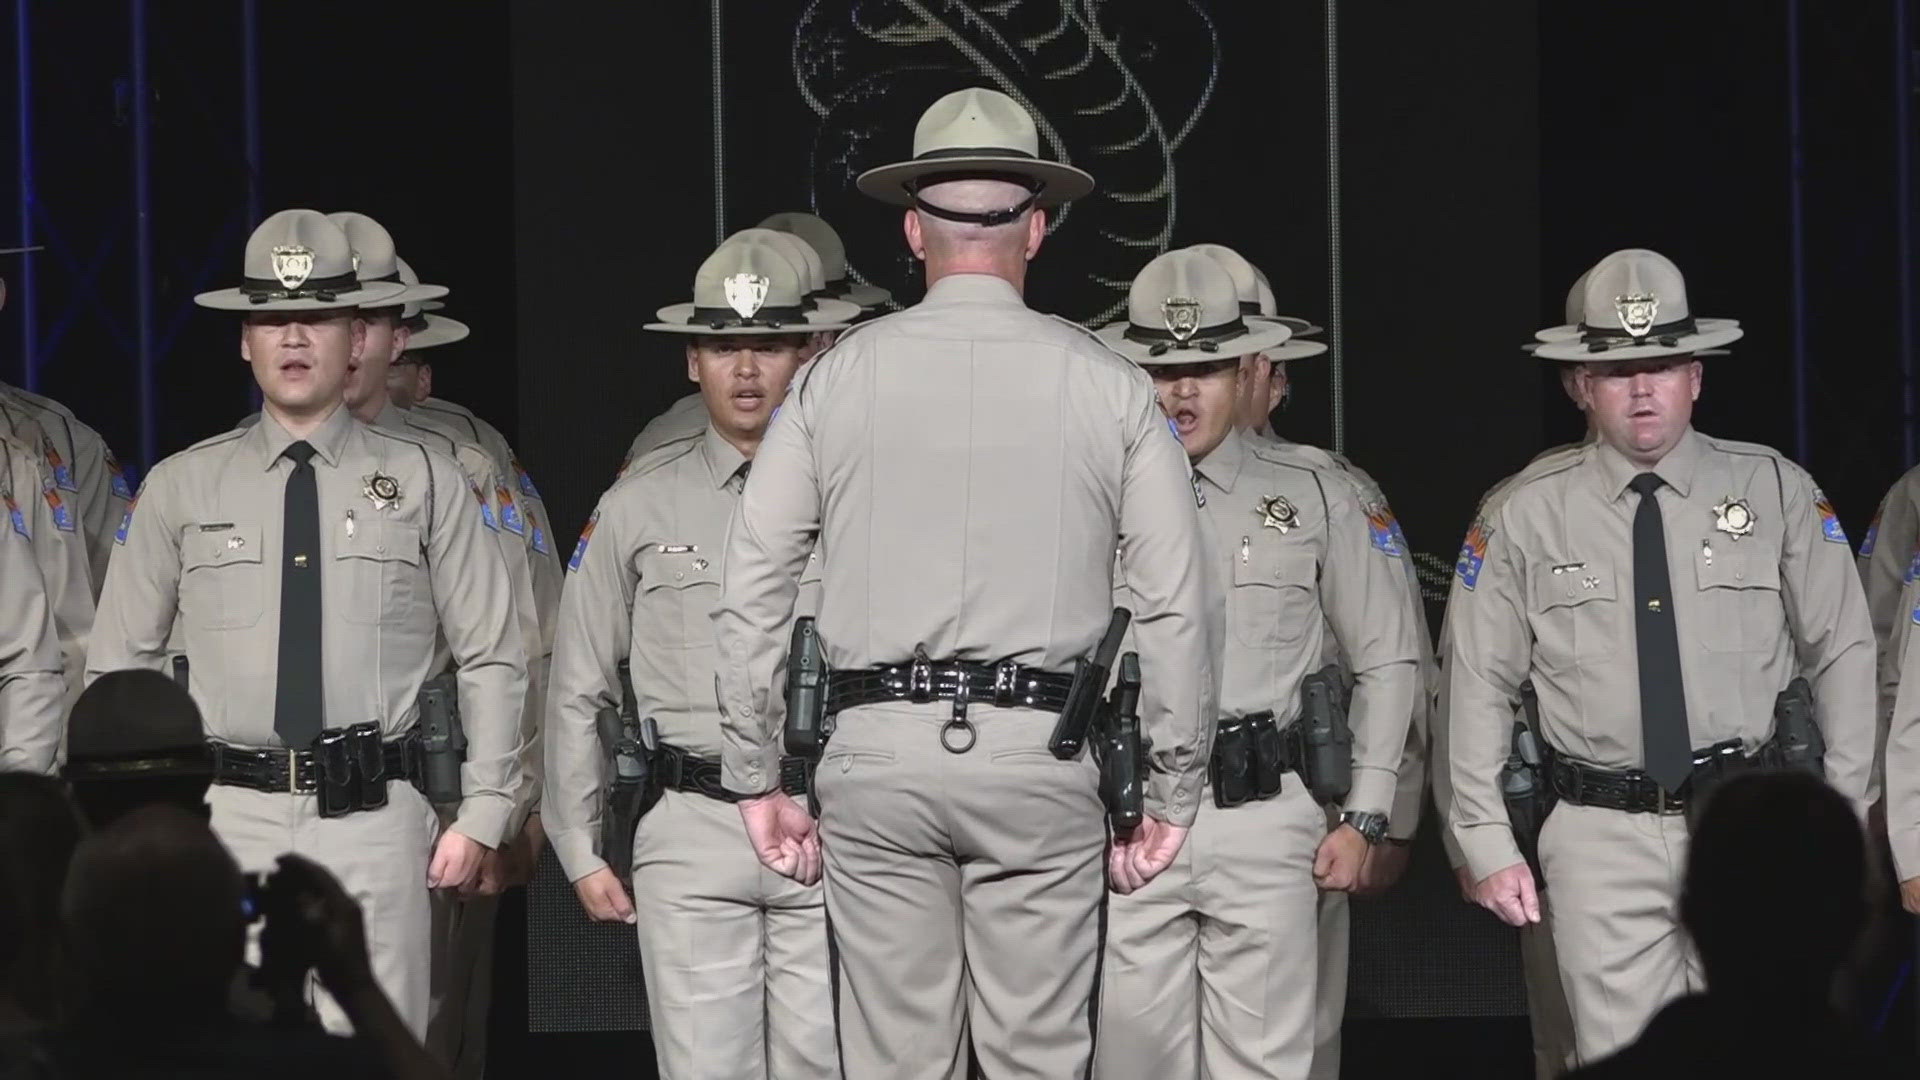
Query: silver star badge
[381, 490]
[1733, 517]
[1277, 513]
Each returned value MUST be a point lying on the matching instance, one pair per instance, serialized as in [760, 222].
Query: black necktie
[1663, 697]
[298, 705]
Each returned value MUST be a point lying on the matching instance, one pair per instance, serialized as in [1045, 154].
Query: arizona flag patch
[1829, 521]
[486, 508]
[117, 477]
[510, 514]
[1473, 554]
[1873, 534]
[126, 522]
[1913, 565]
[62, 513]
[62, 472]
[14, 515]
[526, 482]
[580, 549]
[1384, 530]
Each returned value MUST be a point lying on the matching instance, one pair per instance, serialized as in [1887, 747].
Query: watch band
[1370, 825]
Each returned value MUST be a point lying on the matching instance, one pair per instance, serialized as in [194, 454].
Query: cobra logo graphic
[1113, 89]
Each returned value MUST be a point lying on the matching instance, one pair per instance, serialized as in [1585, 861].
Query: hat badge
[746, 292]
[292, 264]
[356, 260]
[1637, 312]
[1182, 316]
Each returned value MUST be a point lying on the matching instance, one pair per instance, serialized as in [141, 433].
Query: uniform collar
[974, 287]
[391, 417]
[1221, 466]
[329, 439]
[723, 458]
[1677, 468]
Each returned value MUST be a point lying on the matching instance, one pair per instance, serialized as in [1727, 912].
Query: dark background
[555, 164]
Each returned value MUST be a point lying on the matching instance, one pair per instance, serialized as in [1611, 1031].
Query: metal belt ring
[947, 738]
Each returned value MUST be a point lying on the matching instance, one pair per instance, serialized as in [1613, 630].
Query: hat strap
[1206, 338]
[988, 218]
[1601, 338]
[725, 318]
[326, 290]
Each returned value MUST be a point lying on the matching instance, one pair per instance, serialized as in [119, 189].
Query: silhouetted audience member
[1775, 896]
[155, 916]
[135, 738]
[39, 829]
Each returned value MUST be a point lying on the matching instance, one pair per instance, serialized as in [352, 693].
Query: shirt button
[746, 710]
[680, 575]
[1569, 594]
[380, 549]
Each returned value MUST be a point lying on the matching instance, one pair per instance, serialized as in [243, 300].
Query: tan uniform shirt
[967, 465]
[642, 586]
[30, 499]
[1902, 761]
[33, 693]
[684, 419]
[85, 472]
[1544, 590]
[1886, 567]
[208, 544]
[1326, 557]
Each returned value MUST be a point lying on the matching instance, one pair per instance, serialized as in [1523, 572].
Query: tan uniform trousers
[966, 895]
[1546, 1000]
[734, 955]
[380, 857]
[462, 988]
[1330, 992]
[1229, 934]
[1615, 880]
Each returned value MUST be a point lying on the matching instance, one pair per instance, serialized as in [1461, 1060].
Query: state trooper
[1660, 589]
[1228, 935]
[687, 417]
[32, 690]
[967, 467]
[1265, 389]
[31, 503]
[90, 490]
[252, 537]
[734, 955]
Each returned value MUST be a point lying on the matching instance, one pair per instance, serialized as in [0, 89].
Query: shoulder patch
[510, 517]
[126, 521]
[1913, 565]
[1473, 553]
[62, 472]
[526, 481]
[1384, 529]
[1829, 521]
[486, 509]
[1872, 537]
[14, 515]
[580, 549]
[117, 476]
[62, 513]
[539, 534]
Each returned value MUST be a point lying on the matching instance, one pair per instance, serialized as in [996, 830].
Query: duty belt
[296, 771]
[1634, 791]
[677, 770]
[1007, 685]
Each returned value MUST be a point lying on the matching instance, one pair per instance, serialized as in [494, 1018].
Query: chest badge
[1733, 517]
[381, 490]
[1277, 513]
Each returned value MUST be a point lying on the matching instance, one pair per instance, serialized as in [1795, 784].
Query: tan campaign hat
[813, 273]
[833, 256]
[1256, 301]
[375, 259]
[976, 133]
[424, 331]
[297, 260]
[751, 286]
[1633, 306]
[1183, 309]
[1576, 310]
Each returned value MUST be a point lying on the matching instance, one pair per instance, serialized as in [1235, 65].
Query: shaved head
[958, 247]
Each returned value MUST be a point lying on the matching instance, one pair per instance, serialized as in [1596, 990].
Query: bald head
[957, 247]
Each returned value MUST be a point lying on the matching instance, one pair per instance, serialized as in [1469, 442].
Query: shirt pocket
[379, 564]
[678, 592]
[222, 580]
[1577, 615]
[1739, 596]
[1275, 598]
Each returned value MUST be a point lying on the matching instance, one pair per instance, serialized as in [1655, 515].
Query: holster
[1087, 693]
[1323, 739]
[443, 742]
[1524, 784]
[1796, 733]
[808, 725]
[630, 745]
[1122, 750]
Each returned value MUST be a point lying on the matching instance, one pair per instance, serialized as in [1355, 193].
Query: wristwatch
[1370, 825]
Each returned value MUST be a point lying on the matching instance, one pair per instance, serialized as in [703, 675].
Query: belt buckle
[293, 770]
[920, 677]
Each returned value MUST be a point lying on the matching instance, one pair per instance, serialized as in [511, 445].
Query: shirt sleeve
[1490, 656]
[142, 589]
[32, 699]
[474, 596]
[593, 635]
[773, 529]
[1833, 637]
[1165, 560]
[1885, 561]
